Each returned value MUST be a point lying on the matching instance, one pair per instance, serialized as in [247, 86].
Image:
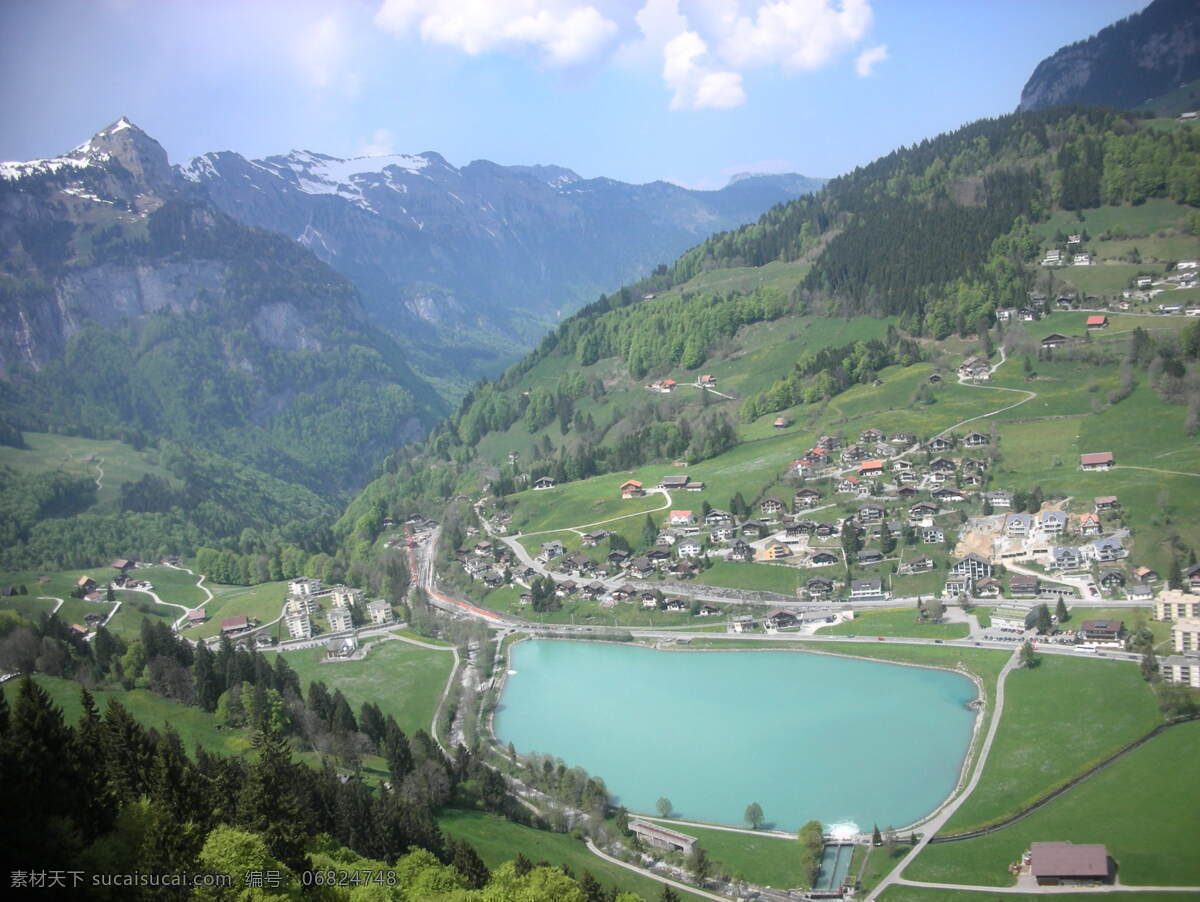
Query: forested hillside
[134, 310]
[918, 248]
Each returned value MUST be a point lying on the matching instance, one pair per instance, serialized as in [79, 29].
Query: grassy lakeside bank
[1050, 731]
[1149, 830]
[764, 859]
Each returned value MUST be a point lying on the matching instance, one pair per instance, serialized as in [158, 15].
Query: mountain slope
[860, 292]
[479, 255]
[1130, 62]
[131, 305]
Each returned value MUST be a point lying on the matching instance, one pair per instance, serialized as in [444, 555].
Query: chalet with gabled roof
[631, 488]
[976, 440]
[940, 444]
[972, 565]
[870, 468]
[1055, 340]
[543, 482]
[1098, 460]
[818, 588]
[975, 368]
[922, 564]
[741, 551]
[806, 498]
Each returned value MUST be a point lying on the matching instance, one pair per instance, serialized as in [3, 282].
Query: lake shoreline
[978, 706]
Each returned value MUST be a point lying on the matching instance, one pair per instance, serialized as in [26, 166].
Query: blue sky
[687, 90]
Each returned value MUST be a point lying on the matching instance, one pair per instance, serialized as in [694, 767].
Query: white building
[340, 620]
[345, 597]
[299, 625]
[380, 612]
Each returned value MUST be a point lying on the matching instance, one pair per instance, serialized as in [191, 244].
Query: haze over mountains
[482, 258]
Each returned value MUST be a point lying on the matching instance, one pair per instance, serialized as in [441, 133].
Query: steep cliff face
[1128, 63]
[108, 234]
[503, 249]
[127, 298]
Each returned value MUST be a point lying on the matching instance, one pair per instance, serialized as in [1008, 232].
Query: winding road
[934, 824]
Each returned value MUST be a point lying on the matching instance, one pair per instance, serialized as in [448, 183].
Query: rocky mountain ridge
[1127, 64]
[482, 252]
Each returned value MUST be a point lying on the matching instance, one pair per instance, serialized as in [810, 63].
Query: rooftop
[1051, 859]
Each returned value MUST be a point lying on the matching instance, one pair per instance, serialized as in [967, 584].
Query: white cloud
[561, 32]
[703, 48]
[865, 64]
[382, 143]
[319, 50]
[693, 85]
[797, 34]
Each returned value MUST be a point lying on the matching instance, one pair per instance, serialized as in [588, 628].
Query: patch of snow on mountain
[19, 170]
[198, 169]
[85, 195]
[321, 174]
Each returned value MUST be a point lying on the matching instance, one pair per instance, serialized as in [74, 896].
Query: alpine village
[850, 553]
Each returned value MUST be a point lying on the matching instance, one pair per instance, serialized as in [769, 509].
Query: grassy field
[1051, 730]
[136, 607]
[762, 860]
[897, 622]
[756, 577]
[498, 840]
[404, 680]
[1145, 808]
[262, 603]
[1140, 219]
[120, 462]
[195, 727]
[578, 504]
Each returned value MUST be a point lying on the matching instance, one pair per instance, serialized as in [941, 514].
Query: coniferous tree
[649, 532]
[465, 860]
[1043, 624]
[396, 751]
[268, 803]
[96, 807]
[39, 779]
[204, 678]
[127, 753]
[1060, 611]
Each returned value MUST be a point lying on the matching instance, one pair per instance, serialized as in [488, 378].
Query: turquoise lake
[841, 740]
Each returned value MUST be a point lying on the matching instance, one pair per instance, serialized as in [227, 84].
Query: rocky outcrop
[1126, 65]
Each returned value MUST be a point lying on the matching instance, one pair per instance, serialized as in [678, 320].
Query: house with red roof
[1098, 460]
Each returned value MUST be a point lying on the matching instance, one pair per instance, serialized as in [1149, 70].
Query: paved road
[595, 850]
[58, 602]
[931, 826]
